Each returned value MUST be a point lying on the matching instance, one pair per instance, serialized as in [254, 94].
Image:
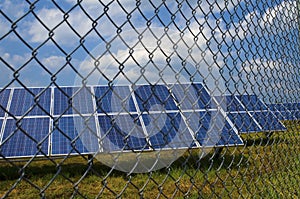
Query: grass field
[268, 168]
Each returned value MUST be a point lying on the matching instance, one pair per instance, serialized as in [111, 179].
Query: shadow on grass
[75, 167]
[266, 139]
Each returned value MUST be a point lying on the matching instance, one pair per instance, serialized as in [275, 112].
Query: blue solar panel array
[72, 120]
[155, 117]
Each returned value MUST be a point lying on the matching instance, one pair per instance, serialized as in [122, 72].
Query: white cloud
[282, 17]
[4, 27]
[15, 61]
[203, 61]
[12, 9]
[105, 26]
[149, 60]
[78, 20]
[53, 63]
[51, 18]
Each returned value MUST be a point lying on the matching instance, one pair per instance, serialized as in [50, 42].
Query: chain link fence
[149, 99]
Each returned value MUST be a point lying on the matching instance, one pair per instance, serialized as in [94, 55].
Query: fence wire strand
[149, 99]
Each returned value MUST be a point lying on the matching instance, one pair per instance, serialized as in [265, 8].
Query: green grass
[268, 168]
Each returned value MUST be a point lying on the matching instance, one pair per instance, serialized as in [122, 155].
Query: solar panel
[244, 122]
[296, 114]
[268, 121]
[252, 103]
[292, 106]
[154, 98]
[62, 97]
[277, 107]
[72, 100]
[231, 103]
[34, 101]
[191, 96]
[122, 132]
[212, 129]
[115, 99]
[229, 137]
[126, 131]
[167, 131]
[69, 132]
[4, 97]
[28, 138]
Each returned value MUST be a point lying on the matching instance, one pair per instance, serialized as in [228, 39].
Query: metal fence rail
[144, 99]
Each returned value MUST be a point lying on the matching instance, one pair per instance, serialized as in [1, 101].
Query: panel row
[286, 111]
[118, 118]
[102, 99]
[115, 133]
[38, 136]
[25, 102]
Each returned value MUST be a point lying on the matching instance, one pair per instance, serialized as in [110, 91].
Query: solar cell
[115, 99]
[4, 97]
[229, 103]
[285, 115]
[73, 100]
[154, 98]
[280, 115]
[122, 132]
[30, 137]
[244, 122]
[211, 129]
[241, 111]
[69, 132]
[62, 100]
[268, 121]
[277, 107]
[191, 96]
[233, 104]
[292, 111]
[1, 122]
[167, 130]
[125, 132]
[229, 137]
[37, 103]
[252, 103]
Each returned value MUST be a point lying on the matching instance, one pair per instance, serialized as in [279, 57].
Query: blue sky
[233, 46]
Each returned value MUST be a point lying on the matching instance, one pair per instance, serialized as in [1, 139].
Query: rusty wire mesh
[232, 47]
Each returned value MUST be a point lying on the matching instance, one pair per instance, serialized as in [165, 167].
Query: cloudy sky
[231, 46]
